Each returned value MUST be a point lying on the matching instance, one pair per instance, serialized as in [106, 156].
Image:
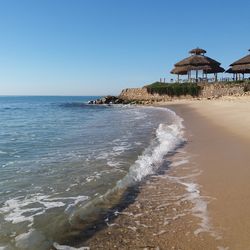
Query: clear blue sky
[98, 47]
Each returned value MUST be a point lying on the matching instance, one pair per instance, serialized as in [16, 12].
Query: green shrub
[174, 89]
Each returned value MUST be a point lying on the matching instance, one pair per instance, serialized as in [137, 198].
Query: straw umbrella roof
[243, 69]
[197, 61]
[182, 70]
[240, 66]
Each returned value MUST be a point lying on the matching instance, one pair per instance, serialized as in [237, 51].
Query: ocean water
[63, 162]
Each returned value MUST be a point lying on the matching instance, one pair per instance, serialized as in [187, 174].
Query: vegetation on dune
[174, 89]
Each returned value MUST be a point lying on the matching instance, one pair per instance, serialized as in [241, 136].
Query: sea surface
[63, 162]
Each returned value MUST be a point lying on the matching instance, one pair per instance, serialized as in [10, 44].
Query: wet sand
[201, 197]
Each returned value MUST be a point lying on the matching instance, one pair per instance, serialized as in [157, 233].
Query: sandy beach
[200, 199]
[224, 159]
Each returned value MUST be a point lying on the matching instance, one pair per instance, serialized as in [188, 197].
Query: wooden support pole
[215, 77]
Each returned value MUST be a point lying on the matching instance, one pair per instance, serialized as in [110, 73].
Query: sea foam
[168, 137]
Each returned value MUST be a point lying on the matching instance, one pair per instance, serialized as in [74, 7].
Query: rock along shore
[112, 100]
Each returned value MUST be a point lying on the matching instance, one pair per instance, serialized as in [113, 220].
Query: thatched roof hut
[241, 66]
[197, 62]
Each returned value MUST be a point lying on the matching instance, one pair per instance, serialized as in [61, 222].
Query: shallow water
[60, 158]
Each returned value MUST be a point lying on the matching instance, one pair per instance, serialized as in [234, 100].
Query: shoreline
[144, 224]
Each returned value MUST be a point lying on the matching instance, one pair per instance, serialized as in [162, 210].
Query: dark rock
[98, 101]
[109, 100]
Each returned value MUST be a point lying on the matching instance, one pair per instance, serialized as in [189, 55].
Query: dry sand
[231, 113]
[201, 199]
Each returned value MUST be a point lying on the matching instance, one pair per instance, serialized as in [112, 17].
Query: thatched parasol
[240, 69]
[241, 66]
[197, 62]
[208, 69]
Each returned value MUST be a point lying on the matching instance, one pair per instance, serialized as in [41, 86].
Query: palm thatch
[182, 70]
[240, 66]
[197, 61]
[239, 69]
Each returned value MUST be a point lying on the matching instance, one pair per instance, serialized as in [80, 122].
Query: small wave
[168, 138]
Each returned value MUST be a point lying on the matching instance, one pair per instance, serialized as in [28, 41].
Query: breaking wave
[168, 138]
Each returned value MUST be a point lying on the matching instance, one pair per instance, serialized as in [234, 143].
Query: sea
[64, 163]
